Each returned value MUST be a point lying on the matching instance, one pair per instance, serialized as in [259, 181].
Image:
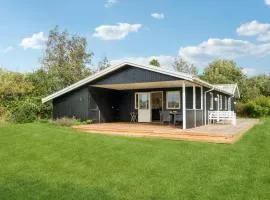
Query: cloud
[158, 15]
[253, 28]
[34, 42]
[267, 2]
[115, 32]
[250, 71]
[165, 61]
[110, 3]
[264, 37]
[6, 50]
[215, 48]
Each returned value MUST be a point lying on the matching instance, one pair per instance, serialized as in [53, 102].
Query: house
[113, 93]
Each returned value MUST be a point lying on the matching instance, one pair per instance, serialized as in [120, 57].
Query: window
[136, 100]
[173, 100]
[211, 101]
[226, 103]
[220, 102]
[229, 104]
[143, 101]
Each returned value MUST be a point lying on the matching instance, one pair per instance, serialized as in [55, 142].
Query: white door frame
[144, 115]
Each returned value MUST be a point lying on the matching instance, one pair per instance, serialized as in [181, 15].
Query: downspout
[205, 104]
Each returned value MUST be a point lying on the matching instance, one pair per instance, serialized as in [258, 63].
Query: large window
[220, 102]
[211, 101]
[173, 100]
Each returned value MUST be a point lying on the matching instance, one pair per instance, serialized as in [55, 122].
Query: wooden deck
[210, 133]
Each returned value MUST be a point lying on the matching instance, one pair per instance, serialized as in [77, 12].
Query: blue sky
[198, 31]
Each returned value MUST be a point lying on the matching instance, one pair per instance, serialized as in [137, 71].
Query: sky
[198, 31]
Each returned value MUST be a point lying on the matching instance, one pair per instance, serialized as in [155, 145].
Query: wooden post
[184, 104]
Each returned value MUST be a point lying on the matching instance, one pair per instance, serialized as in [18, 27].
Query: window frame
[226, 103]
[167, 103]
[136, 99]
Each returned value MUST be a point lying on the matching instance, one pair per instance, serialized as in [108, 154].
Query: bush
[259, 107]
[5, 115]
[24, 111]
[65, 121]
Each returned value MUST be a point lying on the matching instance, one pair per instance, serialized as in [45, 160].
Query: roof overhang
[160, 70]
[146, 85]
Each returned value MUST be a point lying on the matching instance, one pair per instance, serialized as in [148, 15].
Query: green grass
[43, 161]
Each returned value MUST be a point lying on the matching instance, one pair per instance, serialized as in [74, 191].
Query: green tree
[225, 72]
[103, 64]
[65, 58]
[154, 62]
[182, 65]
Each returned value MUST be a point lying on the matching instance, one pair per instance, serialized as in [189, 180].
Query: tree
[181, 65]
[103, 64]
[154, 62]
[65, 58]
[225, 72]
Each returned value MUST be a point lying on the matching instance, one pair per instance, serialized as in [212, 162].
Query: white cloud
[165, 61]
[250, 71]
[252, 28]
[158, 15]
[215, 48]
[267, 2]
[110, 3]
[115, 32]
[34, 42]
[6, 50]
[264, 37]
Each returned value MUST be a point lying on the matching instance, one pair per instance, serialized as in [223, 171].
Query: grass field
[43, 161]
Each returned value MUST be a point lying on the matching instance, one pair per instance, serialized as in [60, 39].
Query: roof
[108, 70]
[230, 88]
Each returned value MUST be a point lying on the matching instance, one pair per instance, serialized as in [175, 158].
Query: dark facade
[108, 105]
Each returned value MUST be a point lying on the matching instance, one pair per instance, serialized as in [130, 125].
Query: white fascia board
[111, 69]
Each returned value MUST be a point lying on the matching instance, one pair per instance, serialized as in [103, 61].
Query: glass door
[144, 107]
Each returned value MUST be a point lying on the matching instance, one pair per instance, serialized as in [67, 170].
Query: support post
[184, 104]
[194, 104]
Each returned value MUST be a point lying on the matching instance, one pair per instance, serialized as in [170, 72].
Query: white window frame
[179, 95]
[135, 100]
[220, 102]
[211, 101]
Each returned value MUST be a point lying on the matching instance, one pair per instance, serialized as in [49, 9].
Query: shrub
[5, 115]
[259, 107]
[65, 121]
[24, 111]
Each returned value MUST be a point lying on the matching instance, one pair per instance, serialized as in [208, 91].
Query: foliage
[258, 107]
[65, 59]
[103, 64]
[182, 65]
[40, 161]
[154, 62]
[65, 121]
[24, 111]
[226, 72]
[5, 115]
[14, 86]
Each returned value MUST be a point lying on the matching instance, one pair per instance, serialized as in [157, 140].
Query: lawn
[43, 161]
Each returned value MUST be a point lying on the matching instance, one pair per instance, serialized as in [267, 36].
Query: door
[144, 107]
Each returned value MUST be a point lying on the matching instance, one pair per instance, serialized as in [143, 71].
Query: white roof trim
[115, 67]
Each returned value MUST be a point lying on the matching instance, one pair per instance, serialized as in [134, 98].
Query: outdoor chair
[178, 117]
[133, 116]
[165, 117]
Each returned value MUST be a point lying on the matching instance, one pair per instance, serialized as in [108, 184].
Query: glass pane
[173, 100]
[143, 101]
